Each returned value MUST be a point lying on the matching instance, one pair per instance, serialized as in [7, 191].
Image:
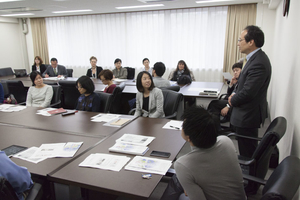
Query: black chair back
[55, 102]
[284, 181]
[70, 94]
[70, 72]
[130, 72]
[172, 101]
[17, 88]
[105, 101]
[7, 192]
[264, 150]
[6, 71]
[175, 88]
[115, 106]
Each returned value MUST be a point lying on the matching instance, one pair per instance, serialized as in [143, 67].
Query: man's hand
[233, 81]
[46, 76]
[229, 99]
[59, 76]
[224, 111]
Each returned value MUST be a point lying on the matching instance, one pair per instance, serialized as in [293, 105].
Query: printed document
[140, 140]
[173, 124]
[27, 155]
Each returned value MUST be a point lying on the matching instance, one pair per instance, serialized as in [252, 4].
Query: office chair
[55, 102]
[175, 88]
[130, 72]
[115, 106]
[6, 71]
[7, 192]
[258, 164]
[70, 72]
[105, 101]
[70, 94]
[283, 182]
[17, 88]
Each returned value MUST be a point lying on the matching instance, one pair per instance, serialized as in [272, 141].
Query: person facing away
[55, 70]
[249, 99]
[119, 71]
[18, 177]
[146, 63]
[88, 100]
[158, 71]
[181, 69]
[221, 107]
[39, 94]
[149, 99]
[38, 65]
[94, 70]
[106, 77]
[211, 170]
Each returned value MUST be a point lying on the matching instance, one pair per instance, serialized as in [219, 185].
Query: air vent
[20, 9]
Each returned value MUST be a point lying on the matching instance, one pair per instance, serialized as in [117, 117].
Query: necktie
[55, 71]
[244, 63]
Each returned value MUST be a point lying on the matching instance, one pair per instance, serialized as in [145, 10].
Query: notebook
[13, 149]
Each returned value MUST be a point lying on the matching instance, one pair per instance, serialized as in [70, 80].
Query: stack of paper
[132, 144]
[104, 117]
[173, 124]
[11, 108]
[44, 112]
[35, 154]
[105, 161]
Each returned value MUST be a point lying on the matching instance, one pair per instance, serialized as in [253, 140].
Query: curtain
[195, 35]
[39, 37]
[238, 17]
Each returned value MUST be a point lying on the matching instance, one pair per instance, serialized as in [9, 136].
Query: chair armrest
[131, 111]
[54, 104]
[243, 136]
[22, 103]
[35, 192]
[222, 95]
[255, 179]
[171, 116]
[245, 161]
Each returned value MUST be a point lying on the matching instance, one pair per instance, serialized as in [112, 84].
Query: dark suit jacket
[42, 68]
[89, 71]
[61, 70]
[250, 101]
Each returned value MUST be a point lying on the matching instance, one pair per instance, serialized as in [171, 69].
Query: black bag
[184, 79]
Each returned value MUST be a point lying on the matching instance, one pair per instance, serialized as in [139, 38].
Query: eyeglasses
[239, 40]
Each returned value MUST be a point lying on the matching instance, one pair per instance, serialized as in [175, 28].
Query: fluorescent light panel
[143, 6]
[72, 11]
[3, 1]
[11, 15]
[212, 1]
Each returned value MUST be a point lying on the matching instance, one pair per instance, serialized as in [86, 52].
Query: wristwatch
[228, 105]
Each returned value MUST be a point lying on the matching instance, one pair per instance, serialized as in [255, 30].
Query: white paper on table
[105, 161]
[54, 78]
[11, 108]
[104, 117]
[27, 155]
[44, 111]
[69, 149]
[49, 150]
[135, 139]
[149, 165]
[116, 120]
[5, 106]
[173, 124]
[129, 148]
[119, 80]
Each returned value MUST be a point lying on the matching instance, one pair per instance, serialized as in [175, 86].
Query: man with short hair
[55, 70]
[249, 100]
[147, 67]
[157, 73]
[119, 71]
[211, 170]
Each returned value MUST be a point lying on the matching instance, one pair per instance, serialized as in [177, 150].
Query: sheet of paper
[69, 149]
[135, 139]
[104, 117]
[44, 112]
[54, 78]
[117, 122]
[27, 155]
[49, 150]
[105, 161]
[11, 108]
[149, 165]
[227, 75]
[173, 124]
[129, 148]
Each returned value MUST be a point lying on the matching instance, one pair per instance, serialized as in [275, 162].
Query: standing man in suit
[55, 70]
[249, 100]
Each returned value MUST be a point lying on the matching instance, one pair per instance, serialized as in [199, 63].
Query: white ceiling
[46, 7]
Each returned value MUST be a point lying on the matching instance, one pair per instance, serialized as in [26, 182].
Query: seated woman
[149, 99]
[88, 100]
[94, 70]
[38, 65]
[119, 71]
[106, 77]
[40, 94]
[182, 69]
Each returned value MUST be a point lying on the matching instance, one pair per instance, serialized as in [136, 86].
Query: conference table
[123, 183]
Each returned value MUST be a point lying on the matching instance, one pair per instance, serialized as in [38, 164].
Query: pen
[175, 127]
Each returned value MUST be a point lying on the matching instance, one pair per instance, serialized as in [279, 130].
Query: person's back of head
[200, 126]
[159, 68]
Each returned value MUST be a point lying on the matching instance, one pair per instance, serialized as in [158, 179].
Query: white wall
[11, 51]
[284, 91]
